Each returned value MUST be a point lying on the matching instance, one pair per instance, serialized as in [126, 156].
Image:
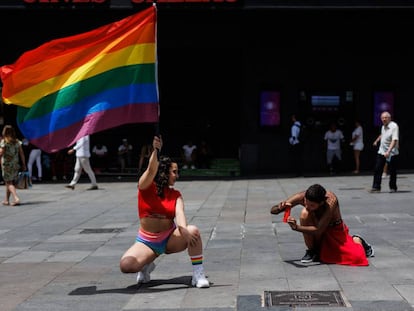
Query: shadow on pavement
[185, 282]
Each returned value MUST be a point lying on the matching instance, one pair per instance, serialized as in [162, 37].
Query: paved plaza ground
[60, 249]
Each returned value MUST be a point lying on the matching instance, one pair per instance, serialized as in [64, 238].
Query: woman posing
[163, 224]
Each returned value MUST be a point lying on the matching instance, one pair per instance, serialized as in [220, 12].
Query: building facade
[222, 62]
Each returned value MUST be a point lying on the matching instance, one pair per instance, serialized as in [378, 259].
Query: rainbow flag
[79, 85]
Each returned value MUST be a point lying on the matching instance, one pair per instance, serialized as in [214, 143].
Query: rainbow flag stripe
[196, 260]
[80, 85]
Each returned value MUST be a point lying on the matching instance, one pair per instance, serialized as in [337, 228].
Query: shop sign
[66, 1]
[265, 4]
[110, 3]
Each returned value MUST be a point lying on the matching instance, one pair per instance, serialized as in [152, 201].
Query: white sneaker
[144, 276]
[199, 280]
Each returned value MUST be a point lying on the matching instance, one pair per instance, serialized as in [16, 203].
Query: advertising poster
[383, 101]
[270, 108]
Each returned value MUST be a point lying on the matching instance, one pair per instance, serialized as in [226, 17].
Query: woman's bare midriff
[155, 225]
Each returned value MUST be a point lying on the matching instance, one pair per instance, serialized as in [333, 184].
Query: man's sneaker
[199, 279]
[375, 190]
[393, 190]
[369, 250]
[310, 256]
[144, 276]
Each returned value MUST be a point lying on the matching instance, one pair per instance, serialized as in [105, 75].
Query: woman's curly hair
[9, 134]
[316, 193]
[161, 179]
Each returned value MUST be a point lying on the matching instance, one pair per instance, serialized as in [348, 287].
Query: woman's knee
[128, 264]
[193, 229]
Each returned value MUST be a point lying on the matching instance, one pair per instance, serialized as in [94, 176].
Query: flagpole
[157, 124]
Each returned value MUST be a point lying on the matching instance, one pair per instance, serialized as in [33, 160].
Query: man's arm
[375, 143]
[297, 198]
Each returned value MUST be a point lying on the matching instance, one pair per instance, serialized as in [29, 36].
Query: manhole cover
[304, 298]
[101, 230]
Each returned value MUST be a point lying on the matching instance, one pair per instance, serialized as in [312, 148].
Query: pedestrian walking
[11, 152]
[82, 153]
[388, 152]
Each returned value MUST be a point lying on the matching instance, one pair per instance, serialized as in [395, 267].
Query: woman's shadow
[153, 286]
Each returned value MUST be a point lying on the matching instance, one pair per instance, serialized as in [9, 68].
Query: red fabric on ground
[338, 247]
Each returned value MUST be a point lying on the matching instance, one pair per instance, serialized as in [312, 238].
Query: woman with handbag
[10, 152]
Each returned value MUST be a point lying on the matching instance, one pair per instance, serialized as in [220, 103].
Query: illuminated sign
[74, 2]
[247, 4]
[109, 3]
[327, 3]
[65, 1]
[185, 1]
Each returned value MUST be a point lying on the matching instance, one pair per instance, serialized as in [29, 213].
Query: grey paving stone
[46, 263]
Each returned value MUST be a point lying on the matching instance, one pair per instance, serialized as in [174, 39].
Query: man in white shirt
[387, 153]
[333, 137]
[189, 155]
[82, 162]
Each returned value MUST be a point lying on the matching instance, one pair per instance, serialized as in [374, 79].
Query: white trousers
[83, 163]
[35, 156]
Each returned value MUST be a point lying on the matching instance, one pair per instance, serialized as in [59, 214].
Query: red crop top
[151, 205]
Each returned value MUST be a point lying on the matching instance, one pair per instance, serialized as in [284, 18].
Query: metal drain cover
[101, 230]
[304, 298]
